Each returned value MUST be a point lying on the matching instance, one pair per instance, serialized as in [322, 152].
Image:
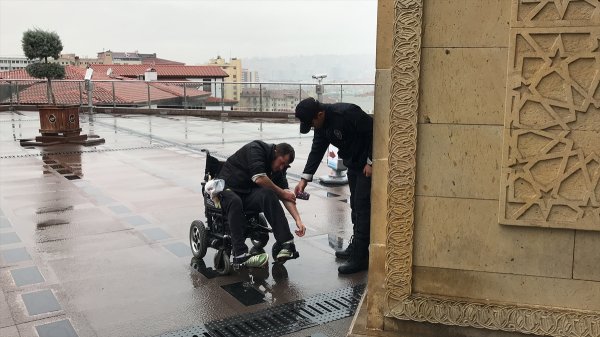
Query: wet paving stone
[40, 302]
[155, 234]
[26, 276]
[136, 220]
[56, 329]
[179, 249]
[15, 255]
[9, 238]
[200, 266]
[245, 293]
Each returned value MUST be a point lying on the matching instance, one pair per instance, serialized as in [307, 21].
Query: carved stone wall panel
[553, 13]
[551, 156]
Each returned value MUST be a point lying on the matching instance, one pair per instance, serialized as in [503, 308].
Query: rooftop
[96, 238]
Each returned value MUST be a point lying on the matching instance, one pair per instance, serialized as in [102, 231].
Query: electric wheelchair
[216, 233]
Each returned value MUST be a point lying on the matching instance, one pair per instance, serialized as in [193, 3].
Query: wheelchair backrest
[213, 167]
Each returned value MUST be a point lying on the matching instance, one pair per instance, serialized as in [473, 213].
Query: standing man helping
[350, 129]
[255, 180]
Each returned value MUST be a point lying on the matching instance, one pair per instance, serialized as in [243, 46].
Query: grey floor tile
[180, 249]
[56, 329]
[156, 234]
[119, 209]
[27, 276]
[8, 238]
[4, 222]
[15, 255]
[40, 302]
[136, 220]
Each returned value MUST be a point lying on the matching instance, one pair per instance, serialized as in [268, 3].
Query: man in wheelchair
[255, 180]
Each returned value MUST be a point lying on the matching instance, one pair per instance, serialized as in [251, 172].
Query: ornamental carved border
[400, 303]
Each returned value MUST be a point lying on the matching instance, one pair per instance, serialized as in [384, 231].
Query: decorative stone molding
[539, 321]
[549, 15]
[403, 147]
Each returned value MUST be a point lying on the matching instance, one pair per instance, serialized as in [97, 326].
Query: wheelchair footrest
[295, 255]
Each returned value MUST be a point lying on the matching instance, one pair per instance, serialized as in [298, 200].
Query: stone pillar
[486, 194]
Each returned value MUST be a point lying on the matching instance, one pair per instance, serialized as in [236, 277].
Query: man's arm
[317, 151]
[293, 210]
[284, 195]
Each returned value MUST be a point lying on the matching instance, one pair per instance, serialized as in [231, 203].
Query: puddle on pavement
[245, 293]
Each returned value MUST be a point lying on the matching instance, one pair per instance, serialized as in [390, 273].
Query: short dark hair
[282, 149]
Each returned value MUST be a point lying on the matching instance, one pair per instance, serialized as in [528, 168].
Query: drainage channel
[282, 319]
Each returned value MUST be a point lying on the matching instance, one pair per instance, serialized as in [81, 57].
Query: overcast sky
[193, 31]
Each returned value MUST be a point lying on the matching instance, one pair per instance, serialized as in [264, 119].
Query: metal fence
[213, 95]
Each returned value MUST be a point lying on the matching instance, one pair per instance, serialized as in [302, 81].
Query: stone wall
[486, 198]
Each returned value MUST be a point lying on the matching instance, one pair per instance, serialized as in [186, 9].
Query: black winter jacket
[348, 128]
[252, 159]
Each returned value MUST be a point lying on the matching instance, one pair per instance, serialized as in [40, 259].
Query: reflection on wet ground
[94, 240]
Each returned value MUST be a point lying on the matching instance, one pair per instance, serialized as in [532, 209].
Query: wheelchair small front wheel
[198, 239]
[222, 264]
[259, 239]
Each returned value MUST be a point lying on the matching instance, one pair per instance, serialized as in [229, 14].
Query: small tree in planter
[58, 124]
[40, 45]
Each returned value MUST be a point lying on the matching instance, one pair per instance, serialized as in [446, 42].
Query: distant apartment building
[14, 63]
[233, 68]
[283, 100]
[110, 57]
[250, 76]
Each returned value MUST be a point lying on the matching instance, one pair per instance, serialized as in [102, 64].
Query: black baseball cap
[306, 111]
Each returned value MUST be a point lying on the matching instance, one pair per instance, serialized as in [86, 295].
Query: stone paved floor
[94, 240]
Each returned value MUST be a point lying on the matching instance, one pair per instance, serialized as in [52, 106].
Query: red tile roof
[126, 91]
[168, 71]
[71, 73]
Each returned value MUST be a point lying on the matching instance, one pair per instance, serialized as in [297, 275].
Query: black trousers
[258, 200]
[360, 203]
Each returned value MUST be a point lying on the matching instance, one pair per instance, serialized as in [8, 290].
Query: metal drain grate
[282, 319]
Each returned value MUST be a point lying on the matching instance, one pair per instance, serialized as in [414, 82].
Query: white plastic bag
[214, 188]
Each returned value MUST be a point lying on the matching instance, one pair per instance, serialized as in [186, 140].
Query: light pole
[319, 88]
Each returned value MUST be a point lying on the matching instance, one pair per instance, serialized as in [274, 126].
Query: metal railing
[241, 96]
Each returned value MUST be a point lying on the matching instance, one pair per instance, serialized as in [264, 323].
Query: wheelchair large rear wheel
[198, 239]
[222, 263]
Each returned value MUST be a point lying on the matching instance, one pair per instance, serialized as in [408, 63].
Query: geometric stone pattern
[552, 116]
[551, 153]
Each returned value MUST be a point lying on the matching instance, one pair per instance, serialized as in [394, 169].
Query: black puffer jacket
[252, 159]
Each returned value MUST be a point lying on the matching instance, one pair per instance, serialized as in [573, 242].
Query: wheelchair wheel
[222, 263]
[198, 240]
[259, 239]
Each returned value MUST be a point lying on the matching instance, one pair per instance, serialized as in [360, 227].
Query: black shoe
[354, 265]
[346, 253]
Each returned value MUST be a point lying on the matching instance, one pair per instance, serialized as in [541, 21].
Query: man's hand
[301, 229]
[287, 195]
[300, 187]
[368, 170]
